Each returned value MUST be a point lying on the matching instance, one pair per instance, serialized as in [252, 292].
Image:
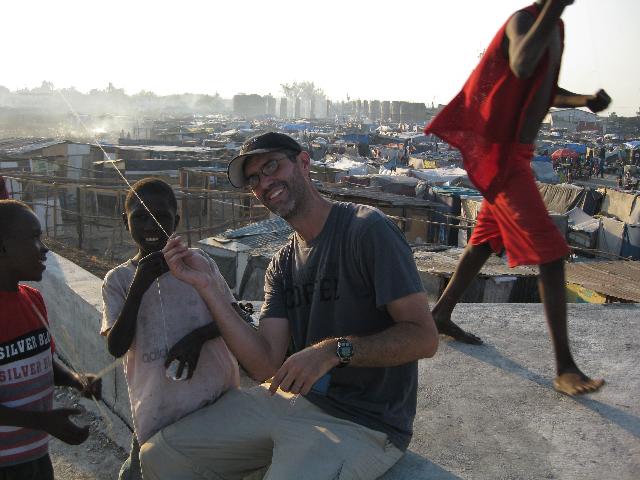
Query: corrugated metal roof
[21, 146]
[266, 237]
[618, 279]
[445, 262]
[347, 193]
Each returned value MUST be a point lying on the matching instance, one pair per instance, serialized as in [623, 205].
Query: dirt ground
[98, 458]
[98, 266]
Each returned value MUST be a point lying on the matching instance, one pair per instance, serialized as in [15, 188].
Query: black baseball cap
[263, 143]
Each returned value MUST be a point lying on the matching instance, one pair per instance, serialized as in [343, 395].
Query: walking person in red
[493, 121]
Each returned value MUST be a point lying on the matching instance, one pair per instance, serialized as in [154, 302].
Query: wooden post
[446, 233]
[79, 227]
[185, 212]
[120, 209]
[46, 213]
[200, 208]
[55, 212]
[233, 211]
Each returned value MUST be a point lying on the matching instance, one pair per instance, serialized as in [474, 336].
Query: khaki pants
[246, 430]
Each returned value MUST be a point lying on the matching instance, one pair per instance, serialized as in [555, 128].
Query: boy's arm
[55, 422]
[596, 103]
[121, 334]
[87, 384]
[528, 38]
[187, 349]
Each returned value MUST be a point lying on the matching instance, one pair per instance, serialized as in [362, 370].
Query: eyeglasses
[268, 169]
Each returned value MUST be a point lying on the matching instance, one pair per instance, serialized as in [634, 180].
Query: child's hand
[90, 386]
[187, 265]
[57, 423]
[187, 352]
[149, 268]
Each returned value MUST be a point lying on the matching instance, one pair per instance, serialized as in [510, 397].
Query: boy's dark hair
[9, 210]
[151, 185]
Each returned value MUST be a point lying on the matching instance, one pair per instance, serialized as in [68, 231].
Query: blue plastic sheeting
[295, 127]
[577, 147]
[631, 242]
[542, 158]
[455, 191]
[633, 144]
[356, 138]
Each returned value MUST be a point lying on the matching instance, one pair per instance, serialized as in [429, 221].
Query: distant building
[374, 110]
[249, 105]
[297, 108]
[573, 119]
[284, 108]
[271, 105]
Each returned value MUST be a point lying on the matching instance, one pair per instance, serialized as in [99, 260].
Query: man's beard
[294, 204]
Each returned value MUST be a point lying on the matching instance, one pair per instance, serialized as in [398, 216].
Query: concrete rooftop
[484, 412]
[490, 412]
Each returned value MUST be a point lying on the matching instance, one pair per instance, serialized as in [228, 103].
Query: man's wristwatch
[344, 352]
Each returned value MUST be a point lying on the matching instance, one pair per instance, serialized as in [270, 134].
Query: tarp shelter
[624, 206]
[631, 242]
[610, 236]
[449, 198]
[563, 197]
[439, 176]
[398, 184]
[634, 152]
[583, 228]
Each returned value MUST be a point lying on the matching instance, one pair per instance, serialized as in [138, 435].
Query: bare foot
[572, 383]
[447, 327]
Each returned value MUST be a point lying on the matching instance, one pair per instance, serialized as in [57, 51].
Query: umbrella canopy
[564, 153]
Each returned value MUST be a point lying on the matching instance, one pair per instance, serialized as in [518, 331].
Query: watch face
[345, 350]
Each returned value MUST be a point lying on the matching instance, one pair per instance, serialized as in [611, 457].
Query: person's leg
[314, 445]
[531, 238]
[226, 440]
[551, 283]
[471, 262]
[130, 469]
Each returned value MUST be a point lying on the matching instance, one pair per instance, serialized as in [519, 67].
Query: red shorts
[517, 218]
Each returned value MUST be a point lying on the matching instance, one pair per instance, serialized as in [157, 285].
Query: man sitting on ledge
[344, 292]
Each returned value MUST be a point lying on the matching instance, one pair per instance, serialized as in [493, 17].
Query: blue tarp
[633, 144]
[542, 158]
[577, 147]
[295, 127]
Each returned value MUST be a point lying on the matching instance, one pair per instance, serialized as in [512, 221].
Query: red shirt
[484, 119]
[26, 372]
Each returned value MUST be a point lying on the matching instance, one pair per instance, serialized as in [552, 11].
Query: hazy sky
[418, 50]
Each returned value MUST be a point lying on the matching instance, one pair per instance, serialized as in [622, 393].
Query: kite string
[130, 187]
[594, 46]
[112, 163]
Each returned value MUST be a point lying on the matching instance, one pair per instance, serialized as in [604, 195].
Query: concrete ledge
[74, 305]
[484, 412]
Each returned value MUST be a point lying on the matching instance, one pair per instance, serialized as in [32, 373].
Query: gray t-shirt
[168, 311]
[338, 285]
